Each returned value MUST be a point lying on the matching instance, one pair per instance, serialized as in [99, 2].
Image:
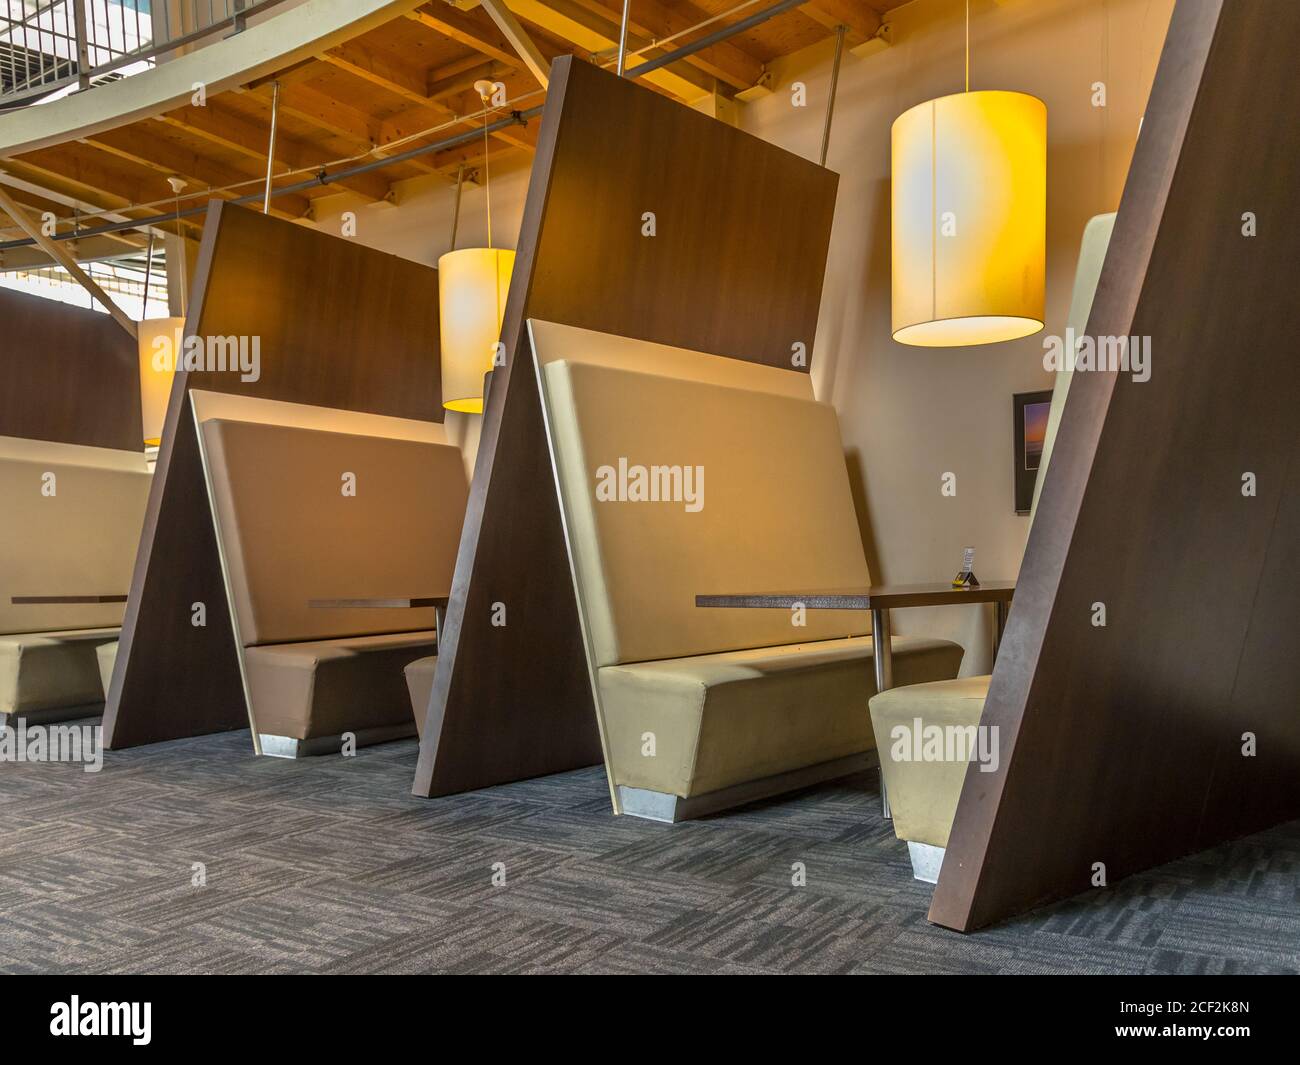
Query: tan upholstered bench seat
[296, 550]
[724, 719]
[419, 683]
[41, 672]
[923, 795]
[702, 709]
[323, 688]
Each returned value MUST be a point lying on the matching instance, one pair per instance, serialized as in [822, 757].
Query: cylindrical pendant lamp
[969, 216]
[159, 341]
[472, 288]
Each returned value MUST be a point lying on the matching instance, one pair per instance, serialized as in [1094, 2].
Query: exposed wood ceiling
[406, 83]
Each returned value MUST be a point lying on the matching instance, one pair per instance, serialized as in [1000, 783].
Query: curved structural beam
[284, 39]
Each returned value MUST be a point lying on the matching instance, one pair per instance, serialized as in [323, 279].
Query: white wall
[908, 415]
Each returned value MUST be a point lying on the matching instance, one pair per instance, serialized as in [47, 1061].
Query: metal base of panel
[289, 747]
[661, 806]
[927, 860]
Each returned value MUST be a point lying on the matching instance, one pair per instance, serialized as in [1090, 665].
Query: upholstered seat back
[304, 514]
[70, 523]
[747, 491]
[1092, 256]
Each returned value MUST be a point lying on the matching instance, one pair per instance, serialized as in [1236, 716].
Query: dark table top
[50, 600]
[420, 602]
[881, 596]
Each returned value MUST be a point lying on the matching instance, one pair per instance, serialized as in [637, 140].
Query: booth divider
[1173, 503]
[69, 422]
[67, 374]
[338, 325]
[644, 219]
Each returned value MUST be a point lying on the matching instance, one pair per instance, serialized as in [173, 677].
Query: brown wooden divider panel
[735, 268]
[67, 374]
[341, 325]
[1123, 744]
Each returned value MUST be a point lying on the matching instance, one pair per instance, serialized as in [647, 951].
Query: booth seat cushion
[50, 670]
[419, 682]
[328, 687]
[923, 794]
[724, 719]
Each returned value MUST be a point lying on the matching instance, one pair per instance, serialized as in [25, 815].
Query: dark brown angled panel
[735, 268]
[67, 374]
[1123, 744]
[340, 325]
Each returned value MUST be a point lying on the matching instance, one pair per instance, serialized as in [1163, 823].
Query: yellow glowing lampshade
[472, 288]
[159, 341]
[969, 209]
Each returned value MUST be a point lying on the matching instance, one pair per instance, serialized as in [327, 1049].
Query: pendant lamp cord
[181, 234]
[968, 45]
[487, 176]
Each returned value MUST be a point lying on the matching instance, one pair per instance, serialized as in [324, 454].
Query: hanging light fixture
[472, 288]
[969, 217]
[159, 342]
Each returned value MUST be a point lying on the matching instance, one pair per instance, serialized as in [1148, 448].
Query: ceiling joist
[403, 83]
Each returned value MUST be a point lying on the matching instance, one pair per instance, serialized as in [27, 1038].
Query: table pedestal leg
[884, 663]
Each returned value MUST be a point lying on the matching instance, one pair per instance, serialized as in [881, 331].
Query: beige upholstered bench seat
[923, 794]
[704, 709]
[70, 520]
[323, 688]
[291, 538]
[724, 719]
[419, 684]
[45, 672]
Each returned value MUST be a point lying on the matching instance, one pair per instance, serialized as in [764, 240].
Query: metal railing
[52, 45]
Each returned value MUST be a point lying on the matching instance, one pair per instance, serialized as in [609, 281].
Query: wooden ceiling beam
[87, 249]
[595, 32]
[238, 134]
[94, 180]
[168, 157]
[650, 19]
[445, 87]
[413, 86]
[387, 73]
[322, 110]
[518, 136]
[472, 28]
[62, 254]
[520, 40]
[37, 196]
[303, 70]
[861, 21]
[472, 61]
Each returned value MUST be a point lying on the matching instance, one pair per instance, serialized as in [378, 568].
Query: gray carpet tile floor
[329, 865]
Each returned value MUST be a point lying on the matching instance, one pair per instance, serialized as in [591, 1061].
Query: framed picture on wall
[1030, 413]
